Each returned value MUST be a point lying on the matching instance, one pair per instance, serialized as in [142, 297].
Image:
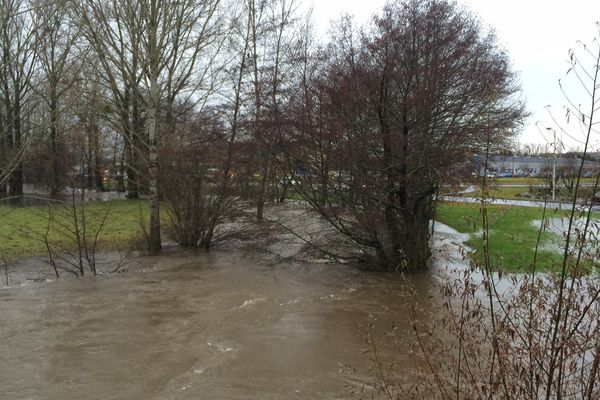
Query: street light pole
[553, 165]
[554, 177]
[513, 166]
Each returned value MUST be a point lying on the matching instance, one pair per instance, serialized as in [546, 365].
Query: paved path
[504, 202]
[535, 185]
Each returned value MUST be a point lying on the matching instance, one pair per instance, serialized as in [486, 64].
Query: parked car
[505, 174]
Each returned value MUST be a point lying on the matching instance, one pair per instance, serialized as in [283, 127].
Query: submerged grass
[512, 234]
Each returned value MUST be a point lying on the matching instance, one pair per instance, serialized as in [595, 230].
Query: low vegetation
[513, 234]
[512, 231]
[532, 192]
[23, 229]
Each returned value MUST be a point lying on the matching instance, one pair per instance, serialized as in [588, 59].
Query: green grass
[502, 192]
[499, 191]
[512, 235]
[22, 230]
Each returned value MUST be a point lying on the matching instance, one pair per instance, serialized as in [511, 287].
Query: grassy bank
[22, 230]
[512, 234]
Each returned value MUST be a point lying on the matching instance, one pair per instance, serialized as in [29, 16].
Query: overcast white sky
[537, 35]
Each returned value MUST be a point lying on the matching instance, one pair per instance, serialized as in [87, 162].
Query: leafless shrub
[199, 184]
[5, 267]
[71, 235]
[511, 348]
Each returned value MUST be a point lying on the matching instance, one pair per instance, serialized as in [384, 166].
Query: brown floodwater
[202, 326]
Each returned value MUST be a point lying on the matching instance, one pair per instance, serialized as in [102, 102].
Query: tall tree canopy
[371, 124]
[393, 113]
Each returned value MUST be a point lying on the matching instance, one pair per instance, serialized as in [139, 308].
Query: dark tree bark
[18, 49]
[151, 52]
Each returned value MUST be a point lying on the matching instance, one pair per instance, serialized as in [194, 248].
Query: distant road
[504, 202]
[534, 185]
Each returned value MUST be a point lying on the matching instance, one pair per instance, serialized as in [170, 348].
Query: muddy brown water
[198, 326]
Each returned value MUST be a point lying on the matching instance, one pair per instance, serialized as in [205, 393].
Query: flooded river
[218, 326]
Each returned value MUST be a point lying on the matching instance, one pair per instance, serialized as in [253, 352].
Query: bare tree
[401, 108]
[72, 234]
[531, 335]
[270, 27]
[162, 50]
[199, 183]
[56, 37]
[90, 113]
[115, 41]
[17, 68]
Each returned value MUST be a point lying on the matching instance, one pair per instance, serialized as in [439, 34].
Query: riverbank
[25, 230]
[298, 233]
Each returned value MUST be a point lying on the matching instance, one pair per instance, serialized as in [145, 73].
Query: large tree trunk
[405, 237]
[262, 192]
[154, 56]
[154, 234]
[130, 171]
[98, 176]
[55, 181]
[16, 178]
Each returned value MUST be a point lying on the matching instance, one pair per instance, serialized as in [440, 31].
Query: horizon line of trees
[207, 103]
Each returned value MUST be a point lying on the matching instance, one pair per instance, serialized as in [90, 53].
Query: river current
[204, 326]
